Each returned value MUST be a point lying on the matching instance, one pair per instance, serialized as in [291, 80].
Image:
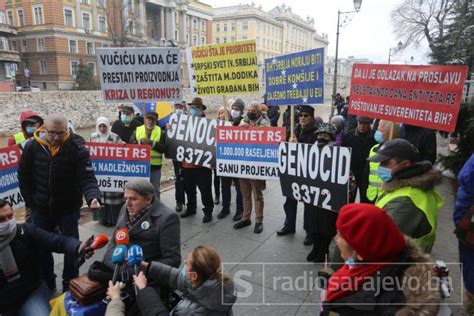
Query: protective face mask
[30, 129]
[194, 112]
[322, 142]
[125, 118]
[235, 114]
[6, 228]
[183, 273]
[252, 116]
[350, 261]
[384, 173]
[178, 111]
[378, 137]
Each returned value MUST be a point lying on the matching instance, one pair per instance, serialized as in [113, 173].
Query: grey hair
[142, 187]
[338, 120]
[55, 119]
[254, 104]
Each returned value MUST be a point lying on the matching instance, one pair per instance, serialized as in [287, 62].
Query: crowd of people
[392, 175]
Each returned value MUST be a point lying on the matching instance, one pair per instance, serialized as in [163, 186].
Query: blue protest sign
[296, 78]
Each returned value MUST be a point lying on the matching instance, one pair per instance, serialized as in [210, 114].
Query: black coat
[304, 136]
[26, 247]
[361, 145]
[125, 132]
[56, 184]
[423, 139]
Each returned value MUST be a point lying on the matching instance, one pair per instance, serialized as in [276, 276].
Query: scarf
[7, 260]
[53, 149]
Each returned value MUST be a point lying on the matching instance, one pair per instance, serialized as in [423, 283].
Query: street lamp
[357, 5]
[394, 50]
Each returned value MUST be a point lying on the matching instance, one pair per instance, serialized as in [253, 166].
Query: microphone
[93, 244]
[118, 258]
[135, 257]
[121, 237]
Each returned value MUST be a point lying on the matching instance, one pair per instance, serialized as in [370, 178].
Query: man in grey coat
[150, 225]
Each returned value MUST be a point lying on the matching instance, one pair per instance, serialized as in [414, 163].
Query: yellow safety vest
[140, 133]
[427, 201]
[19, 137]
[374, 180]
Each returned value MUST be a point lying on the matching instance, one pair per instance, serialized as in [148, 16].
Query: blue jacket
[465, 197]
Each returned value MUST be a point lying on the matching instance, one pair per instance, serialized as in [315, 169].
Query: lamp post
[394, 50]
[357, 4]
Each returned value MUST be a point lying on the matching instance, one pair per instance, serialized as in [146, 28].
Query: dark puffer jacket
[56, 184]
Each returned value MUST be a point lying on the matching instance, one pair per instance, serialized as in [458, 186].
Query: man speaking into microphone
[146, 222]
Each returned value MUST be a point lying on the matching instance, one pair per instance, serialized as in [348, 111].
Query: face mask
[322, 142]
[194, 112]
[384, 173]
[378, 137]
[30, 129]
[235, 114]
[178, 111]
[252, 116]
[187, 282]
[6, 228]
[350, 261]
[125, 118]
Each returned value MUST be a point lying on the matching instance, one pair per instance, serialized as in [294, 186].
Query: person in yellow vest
[382, 134]
[30, 121]
[152, 135]
[408, 192]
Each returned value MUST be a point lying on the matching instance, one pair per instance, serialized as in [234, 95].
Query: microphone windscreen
[135, 255]
[100, 241]
[121, 237]
[118, 256]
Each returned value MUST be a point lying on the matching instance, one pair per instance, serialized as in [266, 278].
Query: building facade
[276, 32]
[344, 74]
[9, 58]
[55, 36]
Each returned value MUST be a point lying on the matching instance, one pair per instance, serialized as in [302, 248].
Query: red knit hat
[371, 232]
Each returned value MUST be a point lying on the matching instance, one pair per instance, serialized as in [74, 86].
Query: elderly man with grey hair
[150, 225]
[54, 174]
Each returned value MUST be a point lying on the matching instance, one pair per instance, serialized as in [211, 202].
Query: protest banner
[140, 74]
[221, 69]
[192, 139]
[315, 175]
[9, 185]
[248, 152]
[426, 96]
[116, 164]
[296, 78]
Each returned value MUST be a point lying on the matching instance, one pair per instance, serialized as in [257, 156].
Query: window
[38, 15]
[85, 1]
[21, 17]
[24, 48]
[90, 48]
[86, 21]
[102, 27]
[203, 40]
[2, 17]
[232, 39]
[130, 6]
[245, 26]
[130, 27]
[3, 43]
[43, 66]
[218, 40]
[194, 24]
[101, 3]
[10, 17]
[225, 39]
[203, 25]
[91, 68]
[225, 27]
[73, 46]
[74, 68]
[68, 17]
[13, 45]
[40, 44]
[244, 37]
[195, 39]
[218, 27]
[233, 27]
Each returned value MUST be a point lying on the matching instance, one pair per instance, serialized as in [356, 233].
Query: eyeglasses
[304, 115]
[56, 134]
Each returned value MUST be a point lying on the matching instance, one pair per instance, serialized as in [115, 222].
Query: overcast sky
[368, 35]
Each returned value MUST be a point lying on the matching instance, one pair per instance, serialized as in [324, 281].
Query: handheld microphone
[135, 258]
[118, 258]
[93, 244]
[121, 237]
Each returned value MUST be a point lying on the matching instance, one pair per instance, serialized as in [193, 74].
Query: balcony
[9, 56]
[7, 30]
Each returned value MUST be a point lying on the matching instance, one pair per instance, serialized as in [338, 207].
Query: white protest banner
[116, 164]
[192, 139]
[9, 185]
[248, 152]
[140, 74]
[315, 175]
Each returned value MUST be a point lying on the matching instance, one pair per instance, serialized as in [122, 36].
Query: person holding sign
[150, 134]
[197, 176]
[179, 108]
[408, 193]
[253, 187]
[112, 201]
[304, 133]
[385, 130]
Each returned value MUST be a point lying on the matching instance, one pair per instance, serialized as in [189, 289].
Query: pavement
[271, 272]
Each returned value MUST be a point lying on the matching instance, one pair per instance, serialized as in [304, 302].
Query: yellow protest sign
[222, 69]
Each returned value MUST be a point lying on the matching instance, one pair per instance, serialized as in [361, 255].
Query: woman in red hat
[384, 273]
